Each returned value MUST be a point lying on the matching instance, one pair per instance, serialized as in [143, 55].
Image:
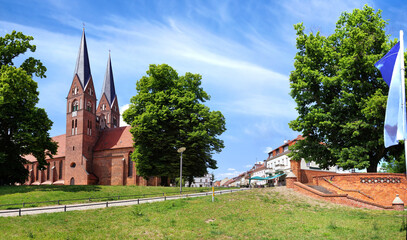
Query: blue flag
[390, 67]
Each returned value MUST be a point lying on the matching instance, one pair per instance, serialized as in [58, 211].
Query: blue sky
[243, 49]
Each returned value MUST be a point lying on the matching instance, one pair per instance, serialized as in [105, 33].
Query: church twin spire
[108, 109]
[108, 85]
[82, 69]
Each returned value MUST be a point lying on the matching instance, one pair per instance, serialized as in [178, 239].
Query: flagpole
[403, 94]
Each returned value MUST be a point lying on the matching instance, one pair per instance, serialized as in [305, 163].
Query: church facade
[94, 149]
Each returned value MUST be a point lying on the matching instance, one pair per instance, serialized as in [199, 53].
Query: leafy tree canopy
[168, 113]
[340, 95]
[23, 126]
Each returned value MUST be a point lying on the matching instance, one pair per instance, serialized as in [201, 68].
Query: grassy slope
[19, 194]
[256, 214]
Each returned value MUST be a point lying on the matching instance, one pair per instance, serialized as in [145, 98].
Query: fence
[64, 208]
[90, 199]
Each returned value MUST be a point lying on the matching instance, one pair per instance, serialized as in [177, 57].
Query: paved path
[86, 206]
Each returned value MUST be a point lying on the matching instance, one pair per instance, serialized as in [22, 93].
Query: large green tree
[168, 113]
[23, 126]
[340, 95]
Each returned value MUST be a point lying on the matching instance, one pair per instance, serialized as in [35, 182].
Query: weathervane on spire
[83, 26]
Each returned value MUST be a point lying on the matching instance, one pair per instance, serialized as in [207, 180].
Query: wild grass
[26, 194]
[254, 214]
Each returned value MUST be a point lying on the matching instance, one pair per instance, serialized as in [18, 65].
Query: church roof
[114, 138]
[82, 68]
[60, 151]
[108, 85]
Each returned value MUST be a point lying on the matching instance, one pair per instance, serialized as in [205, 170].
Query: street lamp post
[180, 150]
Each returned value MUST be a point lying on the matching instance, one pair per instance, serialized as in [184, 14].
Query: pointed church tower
[81, 131]
[108, 108]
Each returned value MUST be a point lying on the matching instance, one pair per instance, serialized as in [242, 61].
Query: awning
[258, 178]
[266, 178]
[276, 176]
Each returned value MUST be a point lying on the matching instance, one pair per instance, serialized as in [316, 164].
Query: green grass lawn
[277, 213]
[20, 194]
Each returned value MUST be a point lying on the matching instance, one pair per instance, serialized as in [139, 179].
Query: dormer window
[103, 107]
[75, 105]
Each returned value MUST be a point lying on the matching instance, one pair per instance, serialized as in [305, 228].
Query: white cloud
[268, 149]
[231, 169]
[228, 175]
[122, 109]
[248, 166]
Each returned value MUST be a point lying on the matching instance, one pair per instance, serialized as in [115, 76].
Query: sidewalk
[86, 206]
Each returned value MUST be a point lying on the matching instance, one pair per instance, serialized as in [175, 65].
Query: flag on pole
[390, 66]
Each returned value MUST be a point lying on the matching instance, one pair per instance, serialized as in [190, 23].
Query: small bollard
[107, 204]
[58, 202]
[138, 200]
[23, 204]
[65, 208]
[19, 212]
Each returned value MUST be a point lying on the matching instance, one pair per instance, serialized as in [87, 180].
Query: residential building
[205, 181]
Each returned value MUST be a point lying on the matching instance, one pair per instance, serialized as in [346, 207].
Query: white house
[204, 181]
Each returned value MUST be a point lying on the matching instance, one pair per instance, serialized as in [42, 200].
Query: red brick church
[94, 149]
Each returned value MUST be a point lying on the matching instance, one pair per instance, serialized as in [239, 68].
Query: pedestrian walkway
[87, 206]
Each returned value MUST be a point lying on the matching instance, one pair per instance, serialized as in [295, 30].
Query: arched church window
[130, 165]
[114, 122]
[75, 105]
[60, 169]
[89, 106]
[76, 126]
[73, 128]
[75, 90]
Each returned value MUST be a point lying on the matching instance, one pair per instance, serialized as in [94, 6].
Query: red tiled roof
[114, 138]
[60, 151]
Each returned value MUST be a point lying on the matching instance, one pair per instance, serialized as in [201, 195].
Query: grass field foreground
[274, 213]
[20, 194]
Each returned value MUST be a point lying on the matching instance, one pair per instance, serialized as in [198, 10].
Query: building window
[285, 148]
[60, 169]
[76, 126]
[114, 122]
[75, 90]
[103, 107]
[75, 105]
[36, 173]
[89, 106]
[90, 91]
[73, 128]
[130, 165]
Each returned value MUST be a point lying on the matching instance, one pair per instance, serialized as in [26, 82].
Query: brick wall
[371, 184]
[307, 176]
[337, 198]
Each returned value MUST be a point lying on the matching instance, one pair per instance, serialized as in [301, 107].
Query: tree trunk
[372, 167]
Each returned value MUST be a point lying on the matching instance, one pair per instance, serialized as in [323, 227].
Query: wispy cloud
[268, 149]
[231, 169]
